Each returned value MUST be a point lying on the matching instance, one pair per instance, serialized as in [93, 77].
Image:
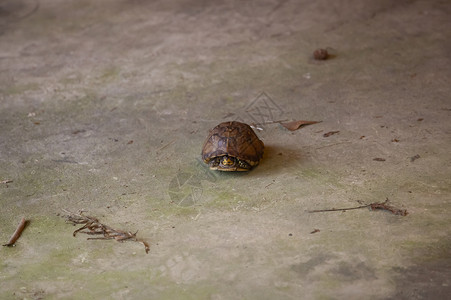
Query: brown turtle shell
[234, 139]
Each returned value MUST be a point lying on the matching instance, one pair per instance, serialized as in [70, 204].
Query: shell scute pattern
[232, 146]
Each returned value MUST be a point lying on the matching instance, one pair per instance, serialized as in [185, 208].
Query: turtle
[232, 146]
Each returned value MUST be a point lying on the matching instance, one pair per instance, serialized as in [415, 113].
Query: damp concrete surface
[105, 105]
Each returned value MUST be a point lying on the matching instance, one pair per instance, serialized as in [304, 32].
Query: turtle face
[229, 163]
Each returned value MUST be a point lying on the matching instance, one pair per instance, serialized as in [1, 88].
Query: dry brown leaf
[295, 125]
[328, 134]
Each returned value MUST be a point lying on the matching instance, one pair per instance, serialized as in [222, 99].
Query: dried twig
[384, 206]
[372, 206]
[257, 125]
[94, 227]
[269, 122]
[414, 158]
[5, 182]
[379, 159]
[295, 125]
[270, 183]
[17, 233]
[164, 146]
[337, 209]
[328, 134]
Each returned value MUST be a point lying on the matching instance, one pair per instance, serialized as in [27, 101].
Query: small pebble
[320, 54]
[379, 159]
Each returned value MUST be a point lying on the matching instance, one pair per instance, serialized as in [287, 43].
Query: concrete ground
[105, 106]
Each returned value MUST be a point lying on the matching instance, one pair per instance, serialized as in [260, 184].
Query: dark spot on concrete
[306, 267]
[353, 271]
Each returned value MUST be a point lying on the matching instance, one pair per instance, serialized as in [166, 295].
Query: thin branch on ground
[5, 182]
[92, 226]
[23, 223]
[372, 206]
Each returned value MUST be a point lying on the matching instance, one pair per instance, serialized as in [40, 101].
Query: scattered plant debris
[164, 146]
[379, 159]
[23, 223]
[270, 184]
[372, 206]
[315, 231]
[267, 122]
[295, 125]
[395, 140]
[337, 209]
[328, 134]
[420, 119]
[414, 158]
[385, 206]
[92, 226]
[5, 182]
[320, 54]
[35, 294]
[257, 126]
[77, 131]
[130, 142]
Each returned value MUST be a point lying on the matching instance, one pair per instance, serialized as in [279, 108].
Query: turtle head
[229, 163]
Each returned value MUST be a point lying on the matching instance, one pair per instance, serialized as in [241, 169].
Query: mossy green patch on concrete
[168, 208]
[223, 199]
[109, 74]
[71, 79]
[197, 291]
